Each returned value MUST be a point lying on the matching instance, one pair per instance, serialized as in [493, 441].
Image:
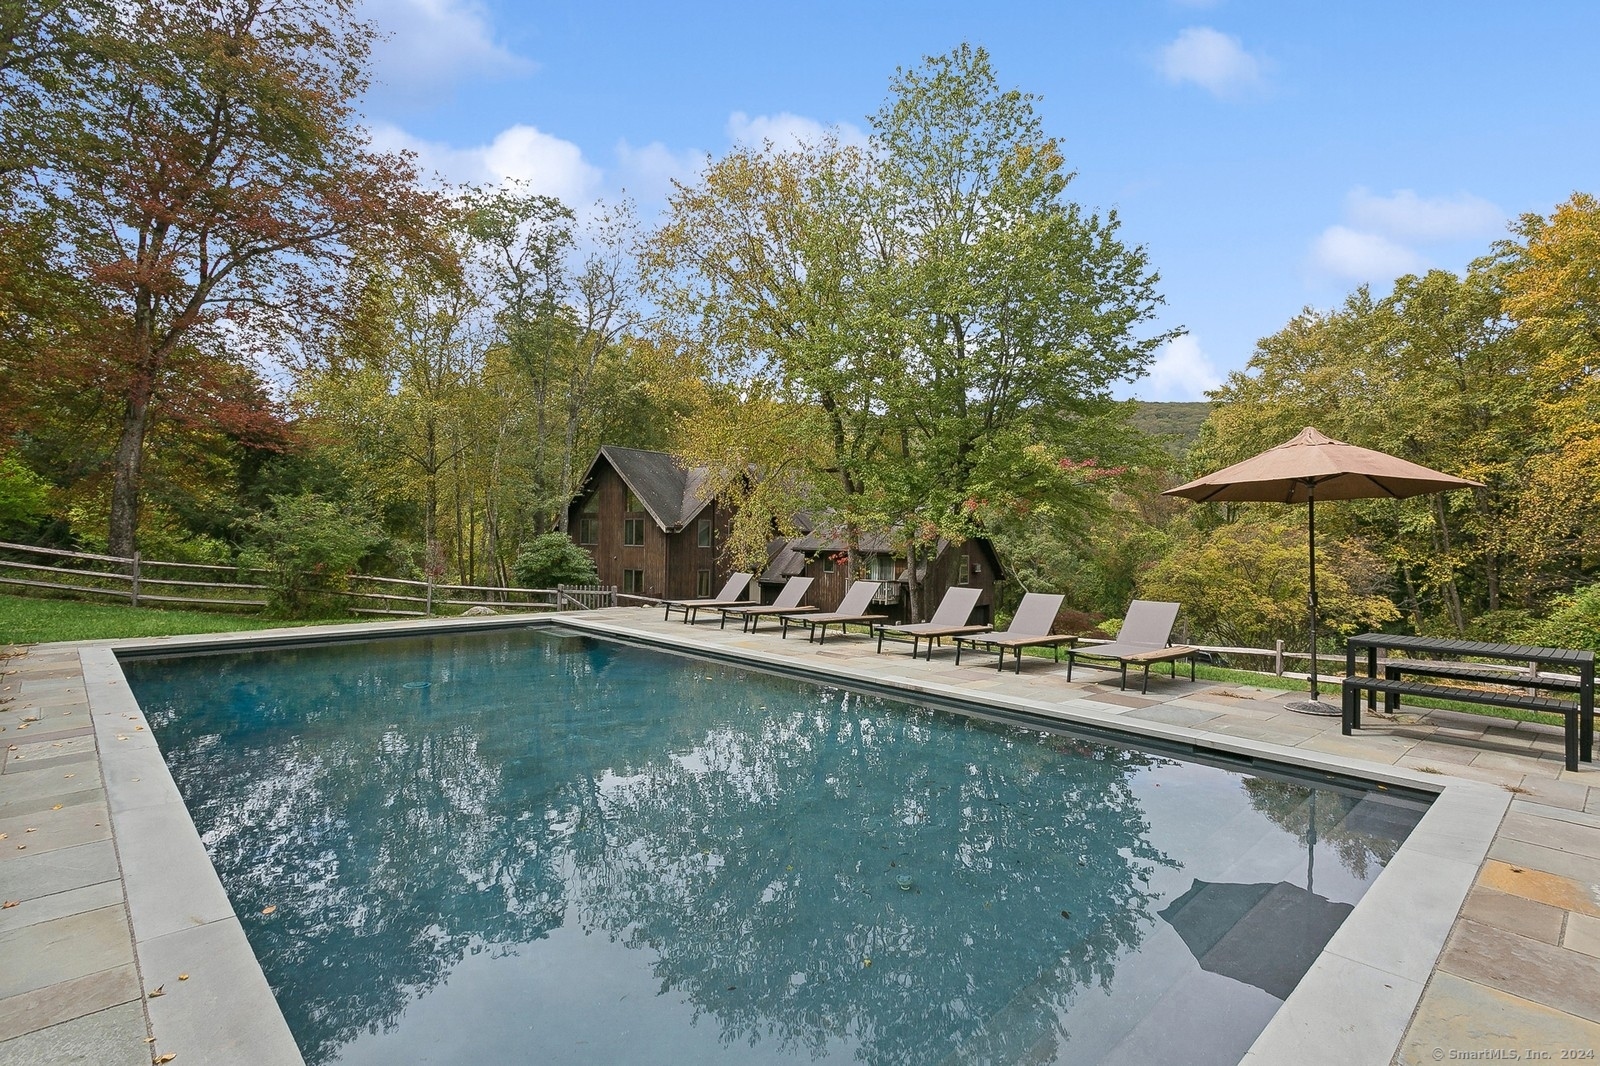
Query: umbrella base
[1317, 707]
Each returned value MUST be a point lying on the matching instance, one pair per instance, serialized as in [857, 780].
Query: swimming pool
[512, 845]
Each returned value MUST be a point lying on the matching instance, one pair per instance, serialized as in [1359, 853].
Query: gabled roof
[669, 493]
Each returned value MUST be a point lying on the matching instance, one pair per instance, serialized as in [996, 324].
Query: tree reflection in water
[804, 866]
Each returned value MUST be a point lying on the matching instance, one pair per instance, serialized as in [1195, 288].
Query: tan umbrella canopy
[1312, 467]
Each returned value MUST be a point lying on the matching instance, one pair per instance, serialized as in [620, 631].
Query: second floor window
[589, 522]
[633, 532]
[964, 570]
[702, 533]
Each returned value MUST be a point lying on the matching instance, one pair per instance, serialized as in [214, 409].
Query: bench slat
[1464, 695]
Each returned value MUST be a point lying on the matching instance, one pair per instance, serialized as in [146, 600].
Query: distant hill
[1177, 423]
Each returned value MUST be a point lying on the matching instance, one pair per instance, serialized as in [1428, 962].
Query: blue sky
[1269, 156]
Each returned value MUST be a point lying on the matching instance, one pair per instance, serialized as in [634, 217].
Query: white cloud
[1212, 60]
[786, 131]
[1406, 216]
[647, 172]
[1360, 256]
[548, 164]
[1181, 371]
[429, 43]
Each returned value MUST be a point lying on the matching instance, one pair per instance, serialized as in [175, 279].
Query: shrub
[1573, 622]
[309, 545]
[553, 559]
[24, 495]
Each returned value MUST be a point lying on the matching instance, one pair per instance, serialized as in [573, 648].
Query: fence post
[1277, 666]
[133, 594]
[428, 610]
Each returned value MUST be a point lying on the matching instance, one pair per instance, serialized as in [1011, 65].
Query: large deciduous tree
[930, 315]
[204, 168]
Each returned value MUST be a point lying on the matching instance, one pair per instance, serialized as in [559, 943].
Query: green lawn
[37, 620]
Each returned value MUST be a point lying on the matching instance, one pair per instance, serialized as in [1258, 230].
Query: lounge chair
[731, 596]
[949, 620]
[788, 602]
[855, 601]
[1145, 639]
[1029, 628]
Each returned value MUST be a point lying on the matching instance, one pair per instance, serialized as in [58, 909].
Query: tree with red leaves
[204, 175]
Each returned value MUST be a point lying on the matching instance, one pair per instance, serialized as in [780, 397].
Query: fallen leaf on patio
[69, 775]
[57, 807]
[183, 977]
[149, 1040]
[269, 908]
[32, 829]
[158, 990]
[168, 1057]
[8, 904]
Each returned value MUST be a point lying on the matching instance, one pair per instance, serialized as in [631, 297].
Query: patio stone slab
[1529, 969]
[79, 823]
[1582, 934]
[225, 1007]
[1516, 914]
[65, 1000]
[61, 904]
[1580, 868]
[64, 949]
[1549, 833]
[50, 872]
[1540, 886]
[1459, 1018]
[112, 1037]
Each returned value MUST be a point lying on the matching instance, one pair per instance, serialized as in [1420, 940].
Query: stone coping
[1354, 1005]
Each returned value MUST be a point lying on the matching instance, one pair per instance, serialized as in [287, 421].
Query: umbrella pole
[1313, 705]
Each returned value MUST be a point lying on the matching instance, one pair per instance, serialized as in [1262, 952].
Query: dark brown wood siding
[670, 561]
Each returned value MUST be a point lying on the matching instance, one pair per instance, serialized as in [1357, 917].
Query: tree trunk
[129, 463]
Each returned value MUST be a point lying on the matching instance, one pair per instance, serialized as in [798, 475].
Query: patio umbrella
[1312, 467]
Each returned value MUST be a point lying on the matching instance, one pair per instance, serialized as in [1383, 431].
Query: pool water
[531, 846]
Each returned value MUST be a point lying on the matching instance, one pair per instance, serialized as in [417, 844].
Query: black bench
[1578, 713]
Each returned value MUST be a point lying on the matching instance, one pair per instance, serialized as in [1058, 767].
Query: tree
[553, 559]
[934, 323]
[202, 172]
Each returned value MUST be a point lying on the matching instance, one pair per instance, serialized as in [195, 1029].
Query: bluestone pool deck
[1481, 938]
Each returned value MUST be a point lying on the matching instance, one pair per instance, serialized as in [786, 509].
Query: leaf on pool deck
[8, 904]
[183, 977]
[57, 807]
[269, 908]
[168, 1057]
[157, 991]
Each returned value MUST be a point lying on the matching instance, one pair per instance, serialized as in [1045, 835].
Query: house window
[589, 522]
[702, 584]
[633, 582]
[634, 505]
[702, 533]
[633, 532]
[881, 568]
[964, 571]
[827, 564]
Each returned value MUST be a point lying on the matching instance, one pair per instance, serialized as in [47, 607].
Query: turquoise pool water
[529, 846]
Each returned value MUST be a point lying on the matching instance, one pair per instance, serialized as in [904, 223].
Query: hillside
[1177, 423]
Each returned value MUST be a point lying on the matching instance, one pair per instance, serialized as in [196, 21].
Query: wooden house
[823, 555]
[640, 515]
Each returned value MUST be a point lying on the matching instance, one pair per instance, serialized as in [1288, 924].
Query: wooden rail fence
[149, 582]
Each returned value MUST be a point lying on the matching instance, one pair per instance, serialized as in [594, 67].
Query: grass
[37, 620]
